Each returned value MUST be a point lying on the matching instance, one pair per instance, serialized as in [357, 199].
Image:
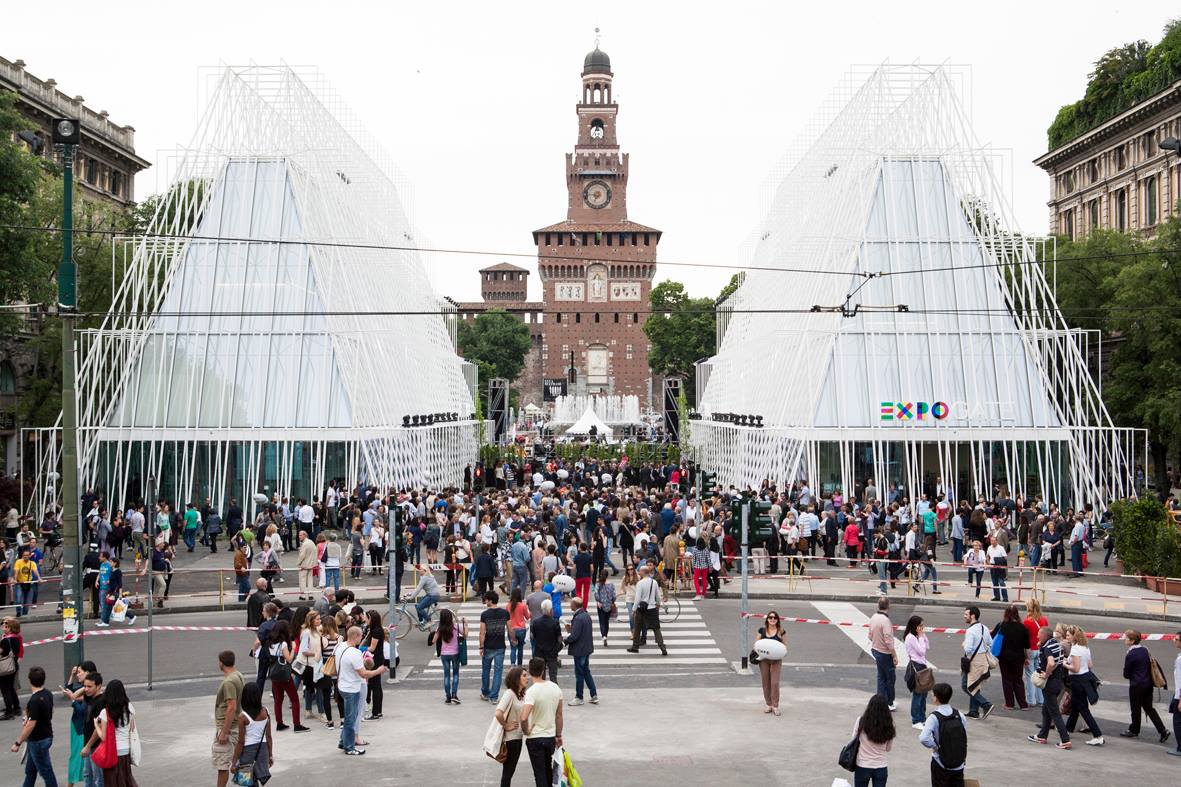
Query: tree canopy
[1123, 77]
[1129, 288]
[682, 330]
[31, 196]
[498, 342]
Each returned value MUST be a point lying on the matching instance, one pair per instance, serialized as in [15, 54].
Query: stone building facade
[596, 267]
[1116, 176]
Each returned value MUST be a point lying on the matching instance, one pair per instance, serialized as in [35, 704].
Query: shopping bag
[119, 611]
[559, 767]
[571, 774]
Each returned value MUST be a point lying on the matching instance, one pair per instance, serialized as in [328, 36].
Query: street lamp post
[67, 133]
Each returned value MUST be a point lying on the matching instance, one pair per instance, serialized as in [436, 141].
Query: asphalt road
[185, 662]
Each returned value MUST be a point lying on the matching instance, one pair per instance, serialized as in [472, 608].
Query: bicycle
[405, 617]
[52, 561]
[670, 609]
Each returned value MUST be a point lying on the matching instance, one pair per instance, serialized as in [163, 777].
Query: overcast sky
[475, 101]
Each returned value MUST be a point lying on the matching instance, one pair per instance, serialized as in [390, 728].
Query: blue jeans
[354, 701]
[886, 675]
[332, 577]
[190, 539]
[516, 647]
[422, 608]
[243, 587]
[867, 776]
[1035, 560]
[521, 579]
[104, 609]
[21, 597]
[957, 550]
[582, 674]
[1033, 694]
[883, 570]
[999, 591]
[451, 676]
[491, 664]
[38, 763]
[918, 707]
[91, 773]
[930, 572]
[976, 702]
[1076, 557]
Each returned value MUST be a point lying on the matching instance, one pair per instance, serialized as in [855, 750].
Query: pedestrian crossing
[688, 641]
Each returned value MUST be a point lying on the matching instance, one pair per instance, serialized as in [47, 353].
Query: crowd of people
[538, 545]
[1040, 667]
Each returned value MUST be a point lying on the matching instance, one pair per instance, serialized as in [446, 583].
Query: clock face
[596, 132]
[65, 127]
[597, 194]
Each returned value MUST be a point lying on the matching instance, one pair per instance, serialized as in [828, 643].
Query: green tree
[1132, 293]
[498, 342]
[31, 196]
[681, 330]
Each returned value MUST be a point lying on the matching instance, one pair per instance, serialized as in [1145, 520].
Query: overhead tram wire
[577, 258]
[432, 250]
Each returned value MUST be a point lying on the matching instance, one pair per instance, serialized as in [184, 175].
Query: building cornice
[1167, 99]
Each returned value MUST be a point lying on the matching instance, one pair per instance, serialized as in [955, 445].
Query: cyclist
[429, 587]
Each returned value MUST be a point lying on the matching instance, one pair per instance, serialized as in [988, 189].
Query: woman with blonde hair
[1084, 686]
[310, 656]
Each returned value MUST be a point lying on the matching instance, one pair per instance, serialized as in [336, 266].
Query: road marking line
[844, 612]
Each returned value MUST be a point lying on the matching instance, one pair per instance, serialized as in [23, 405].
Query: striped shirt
[1052, 648]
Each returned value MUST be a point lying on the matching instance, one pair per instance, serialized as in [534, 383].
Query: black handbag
[280, 671]
[848, 756]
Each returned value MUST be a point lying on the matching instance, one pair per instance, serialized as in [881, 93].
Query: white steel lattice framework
[265, 335]
[902, 217]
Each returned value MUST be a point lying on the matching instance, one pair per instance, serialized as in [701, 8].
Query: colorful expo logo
[914, 411]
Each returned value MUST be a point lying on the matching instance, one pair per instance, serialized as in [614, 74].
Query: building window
[7, 379]
[1121, 210]
[1068, 223]
[1094, 215]
[1150, 211]
[578, 317]
[1093, 170]
[1068, 182]
[616, 318]
[596, 317]
[558, 317]
[1120, 158]
[1148, 140]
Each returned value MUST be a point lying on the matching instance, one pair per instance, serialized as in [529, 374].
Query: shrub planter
[1171, 587]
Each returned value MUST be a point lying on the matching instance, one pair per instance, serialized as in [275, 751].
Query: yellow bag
[572, 776]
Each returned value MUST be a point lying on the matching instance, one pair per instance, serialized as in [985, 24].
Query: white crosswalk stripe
[688, 640]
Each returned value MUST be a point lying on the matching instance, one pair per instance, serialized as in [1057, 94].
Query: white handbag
[135, 748]
[494, 740]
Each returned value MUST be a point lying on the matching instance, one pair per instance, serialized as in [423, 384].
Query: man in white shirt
[1077, 536]
[306, 515]
[351, 678]
[647, 611]
[541, 721]
[805, 494]
[809, 527]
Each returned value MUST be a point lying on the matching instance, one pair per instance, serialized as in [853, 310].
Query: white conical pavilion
[916, 340]
[275, 325]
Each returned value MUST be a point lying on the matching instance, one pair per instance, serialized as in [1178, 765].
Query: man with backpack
[946, 734]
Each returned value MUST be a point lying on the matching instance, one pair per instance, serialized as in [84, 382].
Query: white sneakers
[1095, 741]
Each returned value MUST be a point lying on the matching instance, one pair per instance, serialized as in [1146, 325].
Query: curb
[947, 602]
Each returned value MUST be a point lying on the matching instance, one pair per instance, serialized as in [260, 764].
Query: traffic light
[708, 481]
[761, 527]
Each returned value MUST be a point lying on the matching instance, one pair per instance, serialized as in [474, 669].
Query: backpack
[953, 740]
[1158, 675]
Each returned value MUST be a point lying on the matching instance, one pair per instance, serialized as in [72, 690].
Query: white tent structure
[275, 326]
[589, 419]
[895, 326]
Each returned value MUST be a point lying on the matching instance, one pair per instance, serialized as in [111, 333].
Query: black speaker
[498, 407]
[672, 417]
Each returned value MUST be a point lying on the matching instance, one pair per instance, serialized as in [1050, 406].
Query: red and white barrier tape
[945, 629]
[111, 632]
